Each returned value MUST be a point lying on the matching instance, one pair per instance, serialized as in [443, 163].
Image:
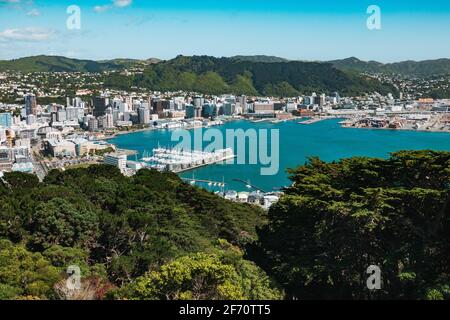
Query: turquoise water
[325, 139]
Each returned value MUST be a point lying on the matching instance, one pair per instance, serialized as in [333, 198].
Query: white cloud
[27, 34]
[102, 8]
[34, 13]
[114, 4]
[122, 3]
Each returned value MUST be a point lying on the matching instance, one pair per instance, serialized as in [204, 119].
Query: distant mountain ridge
[424, 68]
[44, 63]
[260, 58]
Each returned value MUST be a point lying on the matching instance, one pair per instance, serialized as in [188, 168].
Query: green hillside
[62, 64]
[212, 75]
[260, 58]
[408, 68]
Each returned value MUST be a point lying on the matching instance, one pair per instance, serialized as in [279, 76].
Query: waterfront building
[263, 108]
[279, 106]
[231, 195]
[291, 106]
[117, 160]
[228, 109]
[25, 167]
[193, 112]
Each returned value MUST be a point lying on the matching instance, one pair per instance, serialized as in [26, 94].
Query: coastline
[398, 129]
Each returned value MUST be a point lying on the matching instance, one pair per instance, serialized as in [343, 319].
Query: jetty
[314, 120]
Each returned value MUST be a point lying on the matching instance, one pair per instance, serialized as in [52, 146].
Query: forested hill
[260, 58]
[62, 64]
[424, 68]
[212, 75]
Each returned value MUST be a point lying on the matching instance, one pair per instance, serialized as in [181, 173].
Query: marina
[165, 159]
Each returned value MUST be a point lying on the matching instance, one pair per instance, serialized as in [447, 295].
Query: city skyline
[296, 30]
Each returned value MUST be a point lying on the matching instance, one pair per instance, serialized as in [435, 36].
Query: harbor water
[325, 139]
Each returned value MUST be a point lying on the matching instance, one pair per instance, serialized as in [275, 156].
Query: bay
[325, 139]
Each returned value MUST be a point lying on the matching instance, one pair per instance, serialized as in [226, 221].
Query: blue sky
[306, 30]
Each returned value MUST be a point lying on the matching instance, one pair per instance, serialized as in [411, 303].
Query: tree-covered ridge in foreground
[152, 236]
[339, 218]
[146, 237]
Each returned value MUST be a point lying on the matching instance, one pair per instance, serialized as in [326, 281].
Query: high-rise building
[209, 111]
[5, 120]
[92, 124]
[5, 159]
[144, 114]
[31, 119]
[100, 104]
[61, 115]
[30, 104]
[193, 112]
[337, 96]
[198, 101]
[109, 121]
[228, 109]
[74, 113]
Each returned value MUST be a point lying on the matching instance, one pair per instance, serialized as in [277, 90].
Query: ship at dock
[164, 159]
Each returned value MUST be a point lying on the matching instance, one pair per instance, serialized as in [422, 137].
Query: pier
[127, 152]
[314, 120]
[248, 184]
[209, 182]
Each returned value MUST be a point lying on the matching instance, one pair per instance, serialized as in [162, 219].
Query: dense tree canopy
[339, 218]
[114, 228]
[152, 236]
[211, 75]
[218, 275]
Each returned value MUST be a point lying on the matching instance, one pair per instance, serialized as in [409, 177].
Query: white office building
[117, 160]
